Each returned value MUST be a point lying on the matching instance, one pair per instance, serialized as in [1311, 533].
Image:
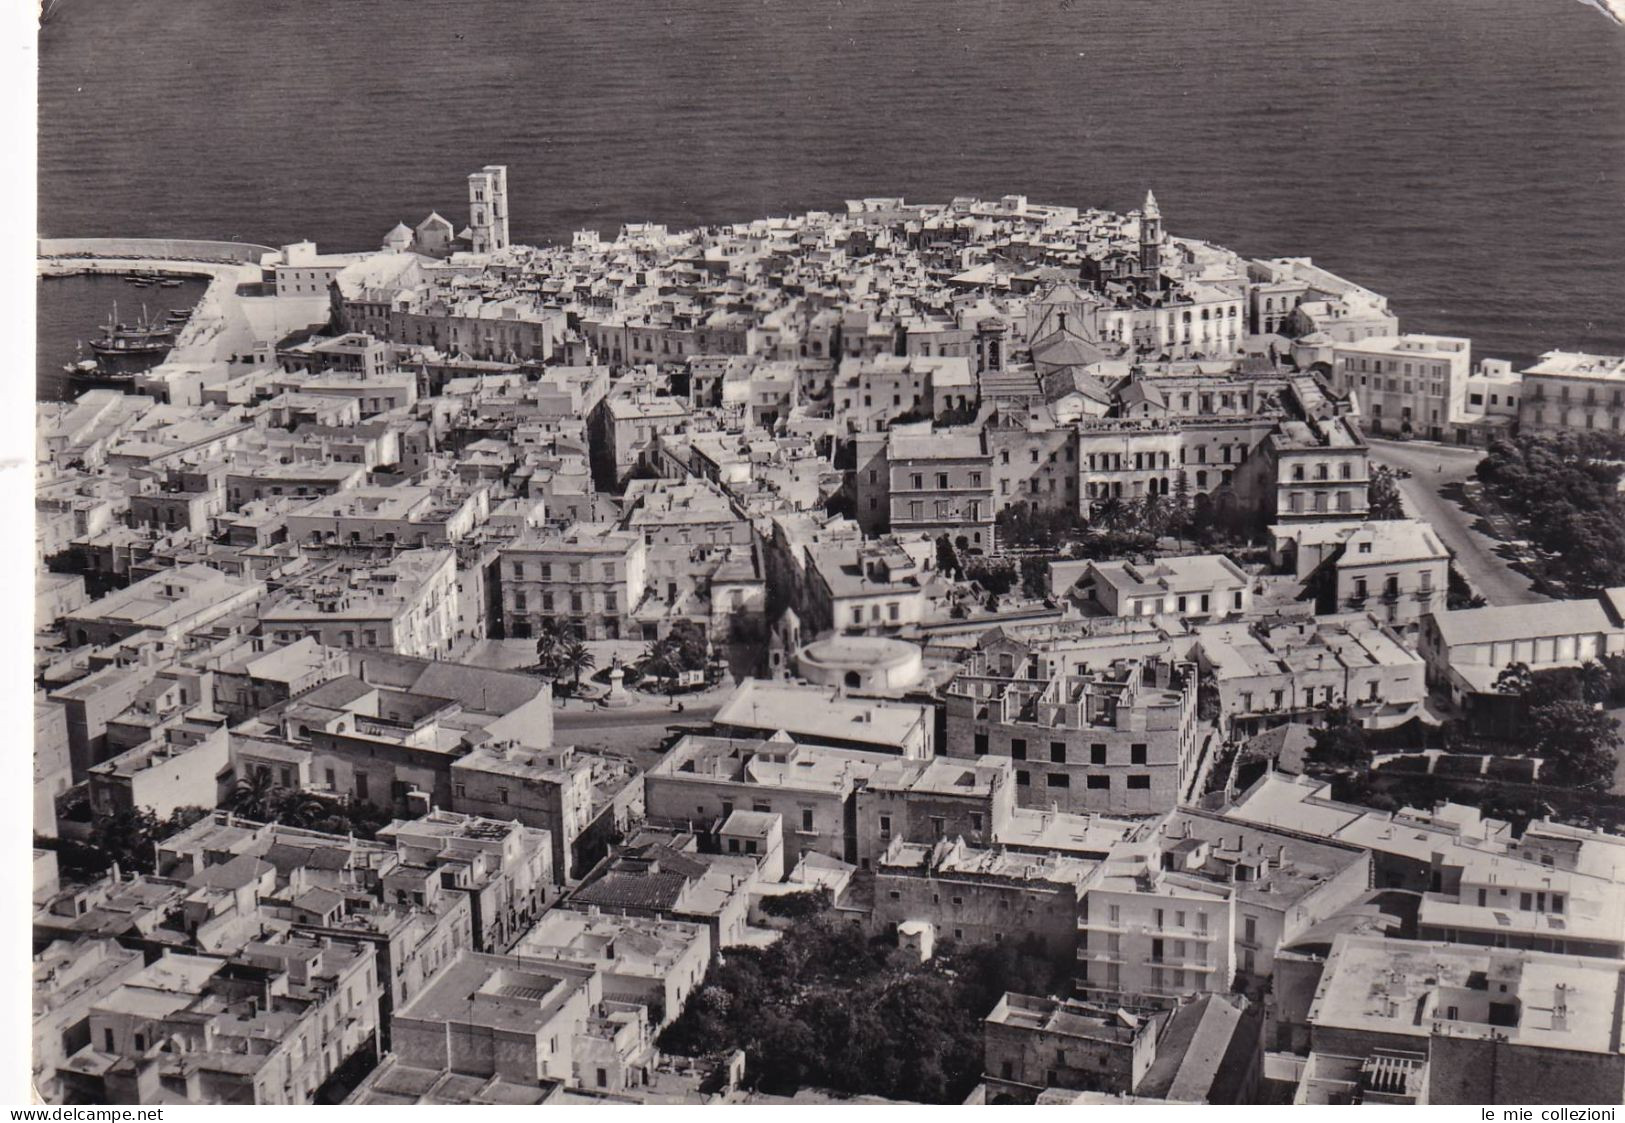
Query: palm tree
[295, 808]
[1110, 513]
[1595, 682]
[662, 667]
[547, 651]
[575, 657]
[251, 796]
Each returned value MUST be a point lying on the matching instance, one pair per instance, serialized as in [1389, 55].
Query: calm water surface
[1466, 157]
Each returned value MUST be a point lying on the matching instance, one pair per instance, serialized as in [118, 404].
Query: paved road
[1443, 468]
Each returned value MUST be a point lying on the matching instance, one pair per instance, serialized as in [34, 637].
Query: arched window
[853, 679]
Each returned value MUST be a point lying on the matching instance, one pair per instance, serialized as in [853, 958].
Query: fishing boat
[84, 374]
[144, 339]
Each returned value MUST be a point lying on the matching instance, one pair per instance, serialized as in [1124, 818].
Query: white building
[1414, 385]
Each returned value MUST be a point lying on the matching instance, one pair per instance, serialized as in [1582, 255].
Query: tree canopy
[1563, 490]
[828, 1006]
[1563, 722]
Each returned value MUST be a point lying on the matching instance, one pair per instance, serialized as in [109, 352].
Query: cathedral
[1122, 270]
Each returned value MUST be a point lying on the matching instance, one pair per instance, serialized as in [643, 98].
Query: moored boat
[146, 339]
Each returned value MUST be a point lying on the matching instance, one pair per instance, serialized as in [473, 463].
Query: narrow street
[1436, 494]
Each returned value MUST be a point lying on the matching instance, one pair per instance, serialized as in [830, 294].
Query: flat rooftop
[496, 992]
[816, 712]
[1577, 364]
[1410, 988]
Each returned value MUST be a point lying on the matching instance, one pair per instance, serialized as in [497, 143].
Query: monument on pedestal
[617, 695]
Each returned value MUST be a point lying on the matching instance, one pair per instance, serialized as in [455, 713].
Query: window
[1097, 754]
[1099, 783]
[1139, 783]
[1058, 780]
[361, 786]
[1018, 748]
[806, 818]
[981, 744]
[1057, 752]
[1136, 754]
[1023, 779]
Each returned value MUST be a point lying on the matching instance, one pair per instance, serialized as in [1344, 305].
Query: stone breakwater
[158, 249]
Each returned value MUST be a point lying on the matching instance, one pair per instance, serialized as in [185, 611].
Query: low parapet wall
[163, 249]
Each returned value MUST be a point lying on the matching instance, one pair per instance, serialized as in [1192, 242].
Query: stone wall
[163, 249]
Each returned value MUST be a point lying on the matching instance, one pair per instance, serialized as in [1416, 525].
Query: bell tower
[1150, 237]
[488, 208]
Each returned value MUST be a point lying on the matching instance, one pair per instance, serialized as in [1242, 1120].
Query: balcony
[1176, 964]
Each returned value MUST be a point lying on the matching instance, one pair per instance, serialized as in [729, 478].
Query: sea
[1464, 157]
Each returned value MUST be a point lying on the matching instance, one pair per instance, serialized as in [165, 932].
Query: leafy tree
[826, 1005]
[948, 559]
[128, 837]
[1023, 526]
[1384, 494]
[660, 666]
[1563, 492]
[796, 906]
[685, 648]
[686, 645]
[1515, 678]
[1579, 743]
[1563, 721]
[1035, 577]
[1341, 742]
[996, 575]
